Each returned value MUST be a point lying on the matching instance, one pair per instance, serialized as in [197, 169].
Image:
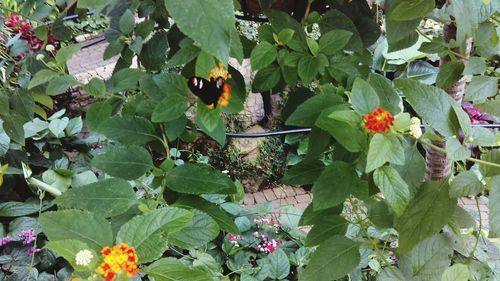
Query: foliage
[373, 215]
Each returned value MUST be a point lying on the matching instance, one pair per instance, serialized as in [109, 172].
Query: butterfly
[210, 93]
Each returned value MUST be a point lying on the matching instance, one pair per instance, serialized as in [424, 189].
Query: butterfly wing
[208, 91]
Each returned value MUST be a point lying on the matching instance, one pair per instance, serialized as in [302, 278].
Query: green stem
[479, 230]
[43, 186]
[475, 160]
[40, 197]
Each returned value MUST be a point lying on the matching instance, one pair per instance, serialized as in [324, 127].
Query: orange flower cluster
[226, 95]
[379, 121]
[119, 258]
[219, 72]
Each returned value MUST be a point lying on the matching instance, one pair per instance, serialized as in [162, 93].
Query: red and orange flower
[379, 121]
[120, 258]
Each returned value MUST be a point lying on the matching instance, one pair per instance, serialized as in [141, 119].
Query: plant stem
[475, 160]
[480, 230]
[40, 197]
[43, 186]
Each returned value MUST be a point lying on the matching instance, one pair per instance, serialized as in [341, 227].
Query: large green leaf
[125, 79]
[401, 34]
[278, 264]
[106, 198]
[413, 169]
[336, 20]
[170, 108]
[154, 52]
[426, 214]
[266, 78]
[172, 269]
[148, 233]
[13, 127]
[68, 249]
[262, 55]
[41, 77]
[223, 219]
[306, 114]
[168, 84]
[66, 52]
[429, 259]
[303, 173]
[334, 41]
[126, 162]
[324, 228]
[389, 99]
[465, 184]
[98, 113]
[208, 23]
[456, 272]
[405, 10]
[201, 229]
[432, 104]
[480, 88]
[384, 148]
[18, 209]
[364, 99]
[78, 225]
[199, 179]
[393, 187]
[335, 183]
[308, 67]
[379, 214]
[334, 259]
[449, 73]
[492, 156]
[494, 208]
[128, 129]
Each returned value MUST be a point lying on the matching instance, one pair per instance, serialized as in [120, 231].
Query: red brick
[302, 205]
[304, 198]
[269, 194]
[300, 190]
[291, 201]
[289, 191]
[259, 197]
[279, 192]
[248, 200]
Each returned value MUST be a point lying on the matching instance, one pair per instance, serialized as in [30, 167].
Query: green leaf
[154, 52]
[480, 88]
[57, 126]
[68, 249]
[207, 180]
[286, 35]
[393, 187]
[66, 52]
[41, 77]
[334, 20]
[200, 230]
[432, 104]
[490, 106]
[262, 55]
[98, 113]
[127, 22]
[18, 209]
[492, 156]
[429, 259]
[13, 127]
[334, 259]
[303, 173]
[308, 67]
[125, 79]
[278, 264]
[334, 185]
[170, 108]
[384, 148]
[126, 162]
[482, 137]
[475, 65]
[209, 25]
[170, 84]
[324, 228]
[172, 269]
[388, 97]
[95, 87]
[494, 208]
[113, 49]
[457, 272]
[306, 114]
[85, 4]
[312, 45]
[223, 219]
[463, 119]
[22, 103]
[449, 73]
[79, 225]
[128, 129]
[266, 78]
[106, 198]
[405, 10]
[334, 41]
[364, 99]
[379, 214]
[426, 214]
[148, 233]
[344, 126]
[455, 150]
[59, 85]
[413, 169]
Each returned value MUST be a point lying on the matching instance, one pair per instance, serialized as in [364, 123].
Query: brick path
[88, 63]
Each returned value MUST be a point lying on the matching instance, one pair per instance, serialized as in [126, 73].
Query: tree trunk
[437, 165]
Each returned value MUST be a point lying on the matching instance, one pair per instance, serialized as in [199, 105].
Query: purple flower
[5, 240]
[28, 235]
[33, 250]
[476, 116]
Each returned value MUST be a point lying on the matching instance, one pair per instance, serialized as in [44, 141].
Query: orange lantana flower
[219, 72]
[119, 258]
[379, 121]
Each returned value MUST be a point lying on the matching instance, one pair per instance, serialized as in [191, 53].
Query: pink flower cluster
[269, 221]
[266, 246]
[234, 239]
[5, 240]
[17, 25]
[28, 236]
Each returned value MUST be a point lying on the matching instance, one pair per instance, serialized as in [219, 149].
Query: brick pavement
[88, 63]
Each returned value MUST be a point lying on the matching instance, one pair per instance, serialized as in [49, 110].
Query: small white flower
[40, 57]
[84, 257]
[50, 48]
[415, 129]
